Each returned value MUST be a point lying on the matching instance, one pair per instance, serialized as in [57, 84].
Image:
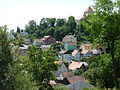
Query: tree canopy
[103, 27]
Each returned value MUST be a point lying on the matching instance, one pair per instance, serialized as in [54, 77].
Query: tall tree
[42, 67]
[31, 27]
[6, 60]
[103, 26]
[71, 24]
[18, 30]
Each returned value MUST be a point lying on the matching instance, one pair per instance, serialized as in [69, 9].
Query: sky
[15, 13]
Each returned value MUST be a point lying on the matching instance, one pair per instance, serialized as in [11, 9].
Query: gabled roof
[62, 51]
[84, 15]
[66, 52]
[75, 52]
[38, 40]
[69, 52]
[75, 79]
[27, 40]
[68, 36]
[67, 74]
[89, 9]
[90, 45]
[74, 65]
[45, 37]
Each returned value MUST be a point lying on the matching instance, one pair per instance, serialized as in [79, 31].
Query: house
[74, 66]
[62, 68]
[46, 40]
[86, 49]
[73, 82]
[23, 34]
[101, 49]
[38, 42]
[70, 46]
[69, 55]
[70, 38]
[65, 55]
[69, 42]
[22, 50]
[66, 74]
[87, 11]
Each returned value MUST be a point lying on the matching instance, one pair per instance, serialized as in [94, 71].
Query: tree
[57, 46]
[18, 30]
[6, 59]
[60, 22]
[71, 24]
[100, 71]
[103, 26]
[41, 67]
[52, 22]
[31, 27]
[22, 80]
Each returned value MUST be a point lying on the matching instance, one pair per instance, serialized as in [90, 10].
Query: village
[60, 45]
[70, 54]
[69, 58]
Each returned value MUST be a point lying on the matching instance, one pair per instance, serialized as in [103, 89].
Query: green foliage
[79, 72]
[22, 80]
[91, 88]
[103, 27]
[71, 24]
[60, 87]
[6, 59]
[57, 46]
[41, 66]
[57, 28]
[100, 71]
